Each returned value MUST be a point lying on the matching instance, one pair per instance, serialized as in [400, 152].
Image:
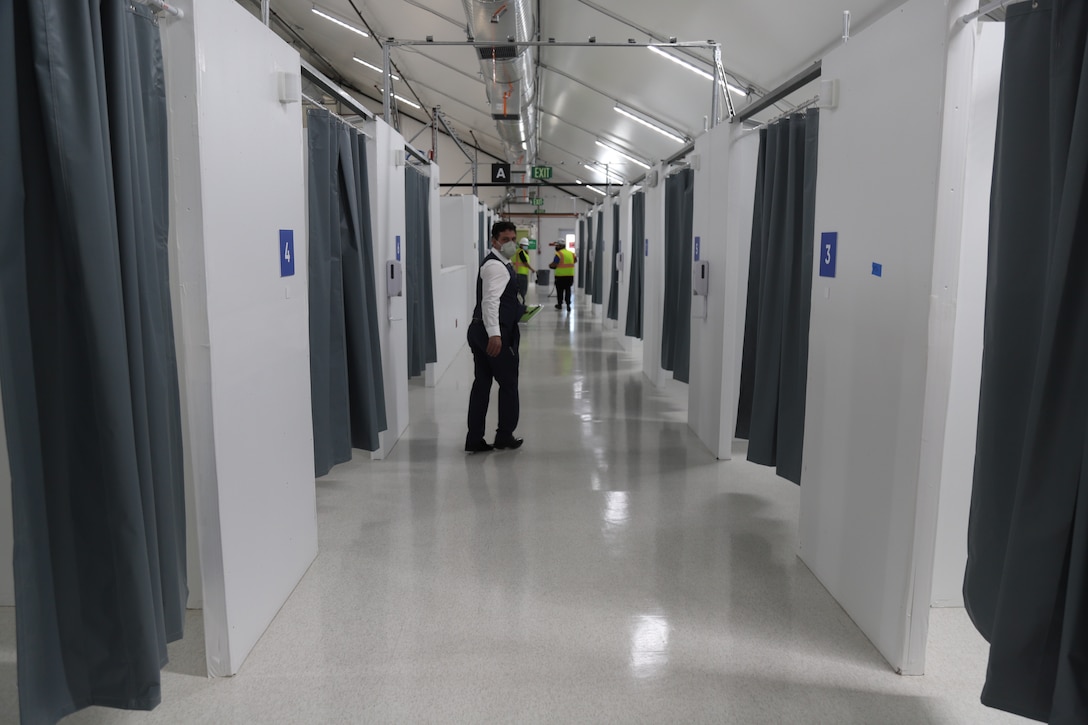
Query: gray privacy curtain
[419, 287]
[774, 368]
[88, 364]
[598, 259]
[583, 247]
[347, 391]
[636, 267]
[613, 290]
[1026, 584]
[676, 310]
[588, 256]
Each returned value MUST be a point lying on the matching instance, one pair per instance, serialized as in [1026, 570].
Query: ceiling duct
[508, 72]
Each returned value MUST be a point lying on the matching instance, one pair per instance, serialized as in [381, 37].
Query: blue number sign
[829, 247]
[287, 252]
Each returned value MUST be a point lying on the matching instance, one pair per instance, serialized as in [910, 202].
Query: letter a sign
[500, 173]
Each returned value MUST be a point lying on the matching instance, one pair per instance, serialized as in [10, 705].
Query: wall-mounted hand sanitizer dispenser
[393, 279]
[700, 277]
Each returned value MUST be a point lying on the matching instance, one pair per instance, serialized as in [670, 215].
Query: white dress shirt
[495, 275]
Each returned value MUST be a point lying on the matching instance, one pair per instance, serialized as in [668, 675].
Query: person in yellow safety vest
[523, 269]
[563, 264]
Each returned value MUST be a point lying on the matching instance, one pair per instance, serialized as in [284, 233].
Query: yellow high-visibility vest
[521, 262]
[566, 263]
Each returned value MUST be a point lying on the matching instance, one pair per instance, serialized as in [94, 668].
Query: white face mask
[508, 249]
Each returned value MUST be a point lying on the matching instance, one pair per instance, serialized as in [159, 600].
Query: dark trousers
[503, 369]
[563, 286]
[523, 286]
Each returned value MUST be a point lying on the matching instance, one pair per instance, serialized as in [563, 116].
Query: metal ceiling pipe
[508, 70]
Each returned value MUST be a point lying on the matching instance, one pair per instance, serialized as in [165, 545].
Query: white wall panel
[654, 258]
[627, 343]
[385, 158]
[878, 339]
[606, 262]
[455, 237]
[969, 300]
[236, 154]
[724, 194]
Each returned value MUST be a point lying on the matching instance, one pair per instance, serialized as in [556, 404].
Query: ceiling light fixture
[594, 188]
[402, 99]
[608, 173]
[624, 154]
[695, 69]
[651, 123]
[342, 23]
[394, 76]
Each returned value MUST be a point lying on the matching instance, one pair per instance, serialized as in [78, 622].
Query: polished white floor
[611, 570]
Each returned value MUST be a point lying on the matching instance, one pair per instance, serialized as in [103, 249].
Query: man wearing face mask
[493, 337]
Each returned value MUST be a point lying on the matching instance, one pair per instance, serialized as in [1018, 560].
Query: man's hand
[494, 346]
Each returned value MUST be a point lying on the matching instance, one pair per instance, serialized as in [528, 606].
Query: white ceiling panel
[763, 44]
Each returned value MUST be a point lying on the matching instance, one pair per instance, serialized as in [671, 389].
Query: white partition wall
[449, 277]
[596, 214]
[608, 263]
[724, 193]
[624, 200]
[238, 184]
[881, 329]
[654, 259]
[969, 300]
[460, 236]
[385, 159]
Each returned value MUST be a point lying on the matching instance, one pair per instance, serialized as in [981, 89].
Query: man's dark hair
[499, 227]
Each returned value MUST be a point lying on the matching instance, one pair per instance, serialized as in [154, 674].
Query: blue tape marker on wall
[878, 270]
[698, 245]
[647, 246]
[398, 247]
[287, 252]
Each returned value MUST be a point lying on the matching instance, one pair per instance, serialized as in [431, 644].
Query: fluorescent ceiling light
[651, 124]
[608, 173]
[342, 23]
[594, 188]
[739, 91]
[627, 156]
[394, 76]
[577, 181]
[402, 99]
[695, 69]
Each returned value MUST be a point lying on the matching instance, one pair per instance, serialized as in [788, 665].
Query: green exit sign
[538, 210]
[542, 172]
[538, 202]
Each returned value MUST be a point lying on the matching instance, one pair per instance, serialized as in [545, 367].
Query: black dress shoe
[480, 446]
[511, 443]
[559, 307]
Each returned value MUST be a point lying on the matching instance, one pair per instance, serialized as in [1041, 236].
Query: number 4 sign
[287, 252]
[829, 247]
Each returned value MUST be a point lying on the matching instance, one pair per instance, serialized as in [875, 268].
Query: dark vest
[510, 309]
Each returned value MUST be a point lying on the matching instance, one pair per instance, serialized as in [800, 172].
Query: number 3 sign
[829, 247]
